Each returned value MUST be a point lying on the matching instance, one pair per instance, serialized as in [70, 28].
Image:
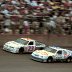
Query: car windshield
[21, 41]
[50, 49]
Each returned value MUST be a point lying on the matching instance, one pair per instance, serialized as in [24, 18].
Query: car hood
[14, 44]
[43, 53]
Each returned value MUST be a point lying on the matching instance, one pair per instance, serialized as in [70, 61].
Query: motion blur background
[36, 17]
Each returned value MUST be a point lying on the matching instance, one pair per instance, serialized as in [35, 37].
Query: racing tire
[68, 60]
[21, 50]
[41, 48]
[50, 60]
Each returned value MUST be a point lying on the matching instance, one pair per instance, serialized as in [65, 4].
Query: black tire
[41, 48]
[68, 60]
[50, 60]
[21, 50]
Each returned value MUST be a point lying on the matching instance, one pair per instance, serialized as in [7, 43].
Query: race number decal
[31, 48]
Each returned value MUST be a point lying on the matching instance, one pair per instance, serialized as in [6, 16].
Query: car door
[59, 54]
[31, 46]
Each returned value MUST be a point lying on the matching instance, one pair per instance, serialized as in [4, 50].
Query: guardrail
[55, 40]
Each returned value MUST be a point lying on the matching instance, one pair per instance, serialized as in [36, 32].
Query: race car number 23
[31, 48]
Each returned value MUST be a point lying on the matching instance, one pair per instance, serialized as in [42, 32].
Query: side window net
[30, 43]
[59, 52]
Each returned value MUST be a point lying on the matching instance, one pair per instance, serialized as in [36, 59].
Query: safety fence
[54, 40]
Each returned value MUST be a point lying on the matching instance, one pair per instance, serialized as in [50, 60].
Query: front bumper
[38, 59]
[9, 49]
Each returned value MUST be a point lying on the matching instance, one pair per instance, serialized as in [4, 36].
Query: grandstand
[36, 17]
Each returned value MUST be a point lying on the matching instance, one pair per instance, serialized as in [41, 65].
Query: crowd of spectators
[36, 17]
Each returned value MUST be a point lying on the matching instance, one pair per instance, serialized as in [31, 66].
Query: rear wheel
[68, 60]
[21, 50]
[41, 48]
[50, 59]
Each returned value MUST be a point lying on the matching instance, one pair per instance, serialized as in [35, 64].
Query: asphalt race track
[22, 63]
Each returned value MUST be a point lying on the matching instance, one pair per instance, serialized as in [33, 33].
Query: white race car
[23, 45]
[51, 53]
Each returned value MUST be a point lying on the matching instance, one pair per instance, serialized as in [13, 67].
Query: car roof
[28, 39]
[57, 48]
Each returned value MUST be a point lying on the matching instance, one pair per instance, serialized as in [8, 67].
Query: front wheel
[21, 50]
[50, 60]
[68, 60]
